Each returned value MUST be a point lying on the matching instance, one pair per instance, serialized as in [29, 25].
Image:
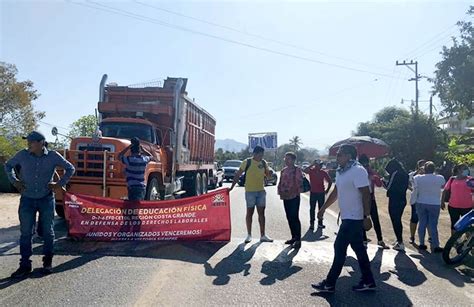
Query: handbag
[305, 185]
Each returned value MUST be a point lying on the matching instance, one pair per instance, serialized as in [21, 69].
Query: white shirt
[427, 189]
[350, 198]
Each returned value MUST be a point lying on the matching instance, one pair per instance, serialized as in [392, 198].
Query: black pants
[313, 199]
[292, 209]
[351, 232]
[395, 209]
[374, 215]
[456, 213]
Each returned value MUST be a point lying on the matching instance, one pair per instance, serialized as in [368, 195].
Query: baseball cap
[34, 136]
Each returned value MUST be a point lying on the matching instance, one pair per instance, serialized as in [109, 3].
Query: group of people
[355, 191]
[32, 172]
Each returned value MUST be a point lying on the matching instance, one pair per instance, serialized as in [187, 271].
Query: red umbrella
[372, 147]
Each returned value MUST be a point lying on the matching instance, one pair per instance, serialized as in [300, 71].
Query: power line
[430, 41]
[261, 37]
[128, 14]
[326, 97]
[437, 47]
[51, 125]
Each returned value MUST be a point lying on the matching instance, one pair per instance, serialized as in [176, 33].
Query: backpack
[249, 162]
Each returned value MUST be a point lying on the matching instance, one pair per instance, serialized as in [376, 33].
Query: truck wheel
[60, 211]
[152, 190]
[205, 184]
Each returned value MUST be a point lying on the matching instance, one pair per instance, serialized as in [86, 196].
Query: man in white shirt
[352, 189]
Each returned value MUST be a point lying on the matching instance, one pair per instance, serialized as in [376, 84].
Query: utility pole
[431, 107]
[417, 77]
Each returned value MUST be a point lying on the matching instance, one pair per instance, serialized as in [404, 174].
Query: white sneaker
[399, 247]
[264, 238]
[248, 239]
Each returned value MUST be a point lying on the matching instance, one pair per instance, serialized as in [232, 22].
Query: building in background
[455, 126]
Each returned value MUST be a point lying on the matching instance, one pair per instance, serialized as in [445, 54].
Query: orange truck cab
[172, 127]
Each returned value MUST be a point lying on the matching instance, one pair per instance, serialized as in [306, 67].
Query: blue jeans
[136, 193]
[428, 216]
[27, 213]
[351, 232]
[256, 199]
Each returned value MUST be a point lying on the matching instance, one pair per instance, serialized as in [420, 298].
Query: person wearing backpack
[289, 189]
[255, 169]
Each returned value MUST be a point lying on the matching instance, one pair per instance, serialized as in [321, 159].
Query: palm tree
[295, 143]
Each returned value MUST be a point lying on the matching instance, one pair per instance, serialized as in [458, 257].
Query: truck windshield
[128, 131]
[232, 164]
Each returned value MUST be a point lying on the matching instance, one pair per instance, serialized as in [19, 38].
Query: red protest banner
[205, 218]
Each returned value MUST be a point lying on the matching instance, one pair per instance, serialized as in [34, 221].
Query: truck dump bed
[195, 127]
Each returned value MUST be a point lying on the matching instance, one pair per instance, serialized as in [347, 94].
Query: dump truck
[171, 126]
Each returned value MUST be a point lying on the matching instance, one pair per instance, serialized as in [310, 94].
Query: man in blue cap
[35, 183]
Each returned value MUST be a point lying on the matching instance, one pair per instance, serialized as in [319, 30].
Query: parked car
[230, 167]
[217, 179]
[272, 181]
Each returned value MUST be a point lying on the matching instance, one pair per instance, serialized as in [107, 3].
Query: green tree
[221, 156]
[461, 149]
[454, 81]
[84, 126]
[17, 113]
[410, 138]
[296, 143]
[308, 154]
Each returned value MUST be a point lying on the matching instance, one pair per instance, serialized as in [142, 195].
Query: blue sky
[64, 48]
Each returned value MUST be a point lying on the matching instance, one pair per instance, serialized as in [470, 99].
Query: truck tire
[205, 184]
[195, 188]
[193, 185]
[59, 211]
[152, 190]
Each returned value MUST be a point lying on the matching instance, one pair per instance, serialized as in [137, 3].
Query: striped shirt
[135, 169]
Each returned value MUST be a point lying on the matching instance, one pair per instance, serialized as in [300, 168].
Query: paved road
[141, 274]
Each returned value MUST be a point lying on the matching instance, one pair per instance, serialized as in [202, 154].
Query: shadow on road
[344, 295]
[311, 236]
[235, 263]
[435, 264]
[280, 268]
[87, 251]
[407, 271]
